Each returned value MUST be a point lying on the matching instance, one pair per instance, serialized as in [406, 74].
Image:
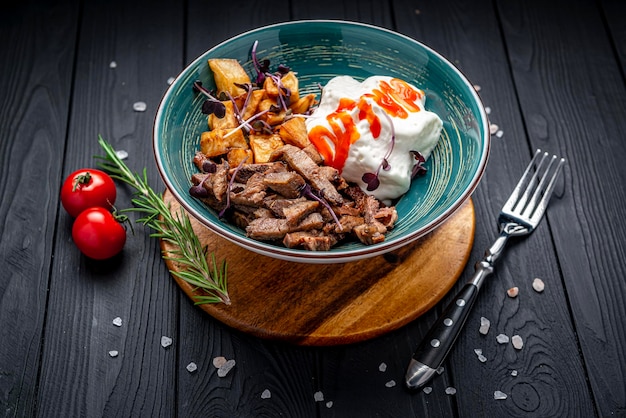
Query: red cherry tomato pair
[88, 195]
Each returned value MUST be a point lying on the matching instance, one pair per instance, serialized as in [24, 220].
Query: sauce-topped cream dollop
[355, 122]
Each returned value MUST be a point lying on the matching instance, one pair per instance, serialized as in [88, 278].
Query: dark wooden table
[552, 74]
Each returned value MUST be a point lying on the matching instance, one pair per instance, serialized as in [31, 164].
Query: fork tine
[513, 199]
[523, 201]
[543, 203]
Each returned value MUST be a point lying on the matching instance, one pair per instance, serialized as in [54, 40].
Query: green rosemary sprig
[174, 229]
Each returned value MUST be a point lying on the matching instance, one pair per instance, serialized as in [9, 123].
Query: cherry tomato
[98, 234]
[87, 188]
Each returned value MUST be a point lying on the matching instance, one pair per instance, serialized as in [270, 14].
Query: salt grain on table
[538, 285]
[114, 353]
[192, 367]
[318, 396]
[440, 370]
[450, 390]
[170, 81]
[499, 395]
[390, 383]
[117, 322]
[121, 154]
[266, 394]
[329, 404]
[499, 134]
[484, 325]
[517, 342]
[113, 64]
[382, 367]
[427, 389]
[514, 373]
[487, 110]
[512, 292]
[493, 128]
[166, 341]
[502, 339]
[140, 106]
[219, 361]
[225, 368]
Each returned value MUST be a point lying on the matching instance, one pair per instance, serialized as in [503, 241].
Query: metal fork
[519, 216]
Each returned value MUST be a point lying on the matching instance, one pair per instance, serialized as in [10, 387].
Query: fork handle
[437, 343]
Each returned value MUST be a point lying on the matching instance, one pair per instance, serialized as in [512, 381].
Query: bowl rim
[337, 255]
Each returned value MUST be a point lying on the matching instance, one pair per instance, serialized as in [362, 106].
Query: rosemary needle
[189, 255]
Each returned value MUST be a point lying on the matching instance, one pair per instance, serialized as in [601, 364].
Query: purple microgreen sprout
[261, 67]
[284, 94]
[371, 179]
[198, 190]
[418, 169]
[211, 105]
[246, 122]
[308, 192]
[230, 187]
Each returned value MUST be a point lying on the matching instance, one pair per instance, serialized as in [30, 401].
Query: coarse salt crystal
[487, 110]
[266, 394]
[500, 133]
[538, 285]
[166, 341]
[440, 370]
[219, 361]
[170, 81]
[329, 404]
[114, 353]
[117, 322]
[513, 373]
[517, 342]
[499, 395]
[427, 389]
[390, 383]
[113, 64]
[225, 368]
[502, 339]
[318, 396]
[512, 292]
[121, 154]
[493, 128]
[140, 106]
[382, 367]
[478, 351]
[477, 87]
[484, 325]
[450, 390]
[192, 367]
[482, 358]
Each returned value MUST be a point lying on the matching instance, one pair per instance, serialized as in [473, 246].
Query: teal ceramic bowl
[319, 50]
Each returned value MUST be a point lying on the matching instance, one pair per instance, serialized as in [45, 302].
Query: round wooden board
[332, 304]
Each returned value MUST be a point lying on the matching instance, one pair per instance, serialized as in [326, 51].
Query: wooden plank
[469, 36]
[571, 91]
[285, 371]
[613, 11]
[78, 376]
[36, 57]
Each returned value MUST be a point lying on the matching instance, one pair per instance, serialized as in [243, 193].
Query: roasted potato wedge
[303, 104]
[237, 155]
[252, 107]
[264, 145]
[220, 141]
[289, 81]
[293, 132]
[227, 72]
[229, 121]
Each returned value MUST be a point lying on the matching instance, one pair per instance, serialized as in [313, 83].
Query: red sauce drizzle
[396, 98]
